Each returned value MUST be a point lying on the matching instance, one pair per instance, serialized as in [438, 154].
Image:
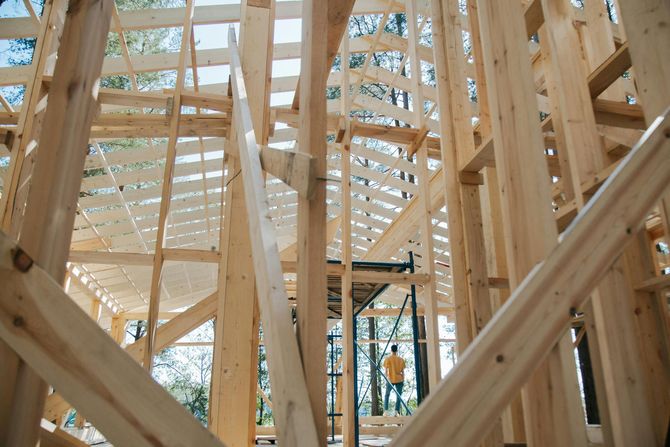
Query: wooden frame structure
[521, 148]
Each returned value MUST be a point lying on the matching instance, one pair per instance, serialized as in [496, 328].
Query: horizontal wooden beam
[372, 277]
[142, 19]
[120, 258]
[296, 169]
[654, 284]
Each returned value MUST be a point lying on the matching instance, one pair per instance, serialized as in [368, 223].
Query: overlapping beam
[505, 354]
[291, 402]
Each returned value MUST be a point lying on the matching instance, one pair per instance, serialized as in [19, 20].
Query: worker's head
[394, 348]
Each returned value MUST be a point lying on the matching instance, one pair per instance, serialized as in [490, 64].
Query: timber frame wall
[539, 207]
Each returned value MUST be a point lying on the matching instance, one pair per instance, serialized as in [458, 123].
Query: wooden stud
[527, 218]
[166, 195]
[346, 402]
[426, 225]
[523, 333]
[292, 408]
[311, 299]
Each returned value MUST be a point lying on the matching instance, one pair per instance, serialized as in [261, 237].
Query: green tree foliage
[186, 371]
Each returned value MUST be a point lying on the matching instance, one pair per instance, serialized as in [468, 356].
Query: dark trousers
[398, 387]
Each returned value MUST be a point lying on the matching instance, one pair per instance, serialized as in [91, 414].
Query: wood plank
[645, 27]
[473, 308]
[292, 408]
[653, 284]
[311, 295]
[234, 379]
[390, 277]
[166, 193]
[338, 23]
[425, 206]
[621, 397]
[503, 356]
[609, 71]
[142, 19]
[177, 327]
[53, 436]
[51, 203]
[528, 221]
[296, 169]
[346, 396]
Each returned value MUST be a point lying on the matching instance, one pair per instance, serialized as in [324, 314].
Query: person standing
[395, 372]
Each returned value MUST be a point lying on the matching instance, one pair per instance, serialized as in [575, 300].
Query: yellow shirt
[395, 366]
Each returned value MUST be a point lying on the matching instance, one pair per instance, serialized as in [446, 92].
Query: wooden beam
[609, 71]
[622, 404]
[31, 116]
[425, 206]
[190, 255]
[528, 221]
[55, 188]
[234, 379]
[338, 23]
[473, 307]
[292, 407]
[52, 334]
[346, 395]
[53, 436]
[296, 169]
[166, 194]
[177, 327]
[311, 296]
[644, 22]
[522, 334]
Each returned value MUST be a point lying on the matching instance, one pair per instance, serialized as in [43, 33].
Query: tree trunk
[372, 334]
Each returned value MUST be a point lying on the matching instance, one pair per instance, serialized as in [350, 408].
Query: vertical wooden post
[646, 23]
[460, 292]
[45, 46]
[311, 301]
[348, 404]
[166, 193]
[513, 425]
[426, 226]
[118, 330]
[620, 381]
[457, 139]
[552, 408]
[234, 370]
[47, 228]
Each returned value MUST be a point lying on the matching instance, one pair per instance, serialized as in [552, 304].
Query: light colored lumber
[177, 327]
[51, 203]
[620, 384]
[346, 402]
[51, 333]
[503, 356]
[166, 193]
[473, 306]
[292, 407]
[236, 344]
[527, 219]
[296, 169]
[433, 358]
[311, 296]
